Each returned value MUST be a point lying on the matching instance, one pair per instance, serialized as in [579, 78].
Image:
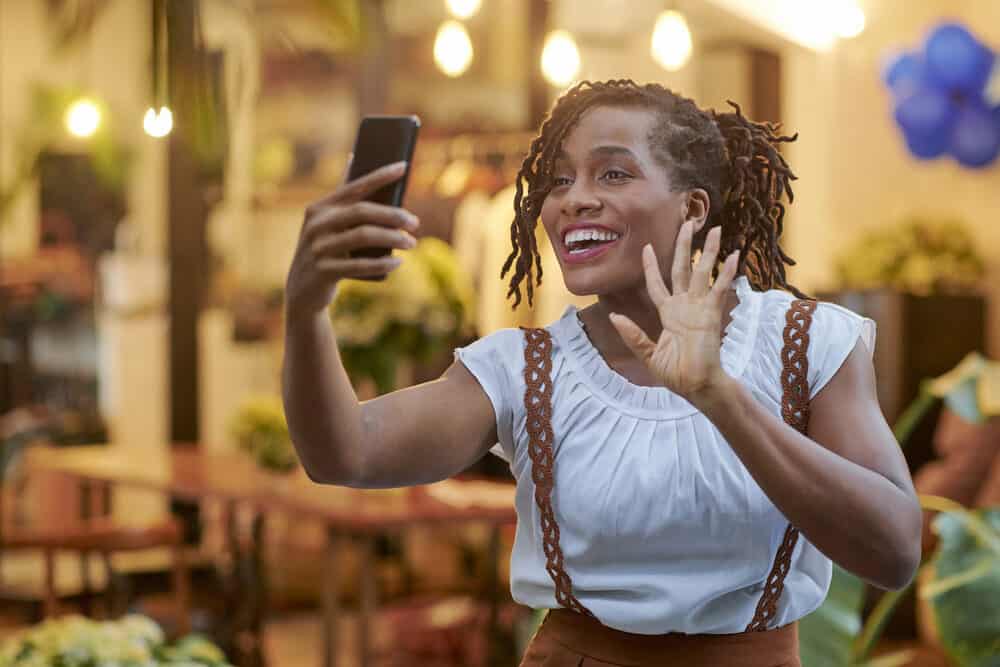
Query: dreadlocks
[735, 160]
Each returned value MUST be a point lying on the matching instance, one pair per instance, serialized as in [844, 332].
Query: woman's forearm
[323, 412]
[857, 517]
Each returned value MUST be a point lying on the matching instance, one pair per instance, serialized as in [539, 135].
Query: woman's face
[606, 178]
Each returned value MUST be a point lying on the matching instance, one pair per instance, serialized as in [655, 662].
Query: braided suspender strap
[538, 407]
[795, 412]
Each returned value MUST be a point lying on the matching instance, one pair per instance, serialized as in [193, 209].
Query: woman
[690, 455]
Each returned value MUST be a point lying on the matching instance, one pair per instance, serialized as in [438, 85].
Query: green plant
[917, 255]
[132, 641]
[421, 309]
[260, 429]
[960, 580]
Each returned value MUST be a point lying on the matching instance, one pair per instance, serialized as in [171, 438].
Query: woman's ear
[697, 208]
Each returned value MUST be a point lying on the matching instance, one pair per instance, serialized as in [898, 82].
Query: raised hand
[686, 357]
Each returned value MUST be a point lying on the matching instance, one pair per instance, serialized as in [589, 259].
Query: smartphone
[383, 140]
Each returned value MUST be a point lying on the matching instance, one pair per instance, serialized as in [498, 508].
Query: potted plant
[260, 429]
[421, 310]
[910, 277]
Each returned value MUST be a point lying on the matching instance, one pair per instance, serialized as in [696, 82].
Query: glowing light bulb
[158, 123]
[464, 9]
[671, 43]
[848, 20]
[83, 118]
[452, 48]
[560, 58]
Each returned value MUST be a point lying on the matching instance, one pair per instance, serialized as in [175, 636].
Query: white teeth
[589, 235]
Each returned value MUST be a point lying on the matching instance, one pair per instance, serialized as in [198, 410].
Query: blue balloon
[904, 72]
[956, 60]
[926, 146]
[975, 139]
[926, 113]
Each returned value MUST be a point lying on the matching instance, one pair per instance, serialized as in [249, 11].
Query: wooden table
[357, 514]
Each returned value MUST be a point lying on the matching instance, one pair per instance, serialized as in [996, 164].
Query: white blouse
[662, 527]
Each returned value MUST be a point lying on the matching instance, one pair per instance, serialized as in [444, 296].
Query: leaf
[969, 368]
[826, 636]
[875, 623]
[968, 616]
[963, 400]
[989, 390]
[914, 414]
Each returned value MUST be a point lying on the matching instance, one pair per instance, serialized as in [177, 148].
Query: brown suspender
[538, 406]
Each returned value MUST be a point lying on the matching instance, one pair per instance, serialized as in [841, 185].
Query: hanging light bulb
[464, 9]
[671, 43]
[560, 58]
[83, 117]
[452, 48]
[158, 123]
[848, 19]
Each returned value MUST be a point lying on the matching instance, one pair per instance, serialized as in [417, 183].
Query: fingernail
[412, 222]
[399, 166]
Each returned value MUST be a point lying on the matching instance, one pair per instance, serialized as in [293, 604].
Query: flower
[132, 641]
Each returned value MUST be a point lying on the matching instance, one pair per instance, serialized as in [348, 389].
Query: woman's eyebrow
[607, 150]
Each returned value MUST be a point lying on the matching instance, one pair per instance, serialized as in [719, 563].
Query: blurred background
[156, 157]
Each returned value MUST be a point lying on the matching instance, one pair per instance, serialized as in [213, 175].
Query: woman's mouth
[577, 251]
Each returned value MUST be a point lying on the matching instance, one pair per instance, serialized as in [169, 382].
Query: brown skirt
[569, 639]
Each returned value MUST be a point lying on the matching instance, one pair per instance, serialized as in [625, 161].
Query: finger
[633, 337]
[357, 267]
[725, 278]
[681, 270]
[361, 187]
[703, 271]
[658, 292]
[365, 236]
[331, 219]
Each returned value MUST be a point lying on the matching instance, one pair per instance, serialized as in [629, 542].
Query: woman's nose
[579, 200]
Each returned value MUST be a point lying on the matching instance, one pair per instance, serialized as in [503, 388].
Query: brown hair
[735, 160]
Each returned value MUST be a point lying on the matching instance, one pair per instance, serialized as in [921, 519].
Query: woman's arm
[846, 486]
[421, 434]
[416, 435]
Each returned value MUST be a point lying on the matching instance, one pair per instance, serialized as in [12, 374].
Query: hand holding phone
[383, 140]
[351, 232]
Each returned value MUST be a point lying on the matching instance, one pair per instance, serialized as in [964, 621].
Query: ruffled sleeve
[834, 332]
[491, 360]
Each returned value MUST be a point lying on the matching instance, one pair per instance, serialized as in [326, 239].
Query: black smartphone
[383, 140]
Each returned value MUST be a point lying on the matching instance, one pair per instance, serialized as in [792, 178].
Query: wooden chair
[99, 535]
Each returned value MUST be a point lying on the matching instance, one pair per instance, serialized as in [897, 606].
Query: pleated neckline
[656, 402]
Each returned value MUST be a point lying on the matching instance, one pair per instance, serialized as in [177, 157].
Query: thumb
[633, 336]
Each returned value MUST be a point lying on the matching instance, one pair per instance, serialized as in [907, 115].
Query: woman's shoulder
[833, 331]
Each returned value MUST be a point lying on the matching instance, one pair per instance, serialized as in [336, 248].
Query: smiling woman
[694, 451]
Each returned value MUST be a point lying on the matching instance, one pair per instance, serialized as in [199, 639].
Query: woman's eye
[560, 180]
[615, 174]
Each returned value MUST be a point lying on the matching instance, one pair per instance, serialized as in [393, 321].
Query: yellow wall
[854, 168]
